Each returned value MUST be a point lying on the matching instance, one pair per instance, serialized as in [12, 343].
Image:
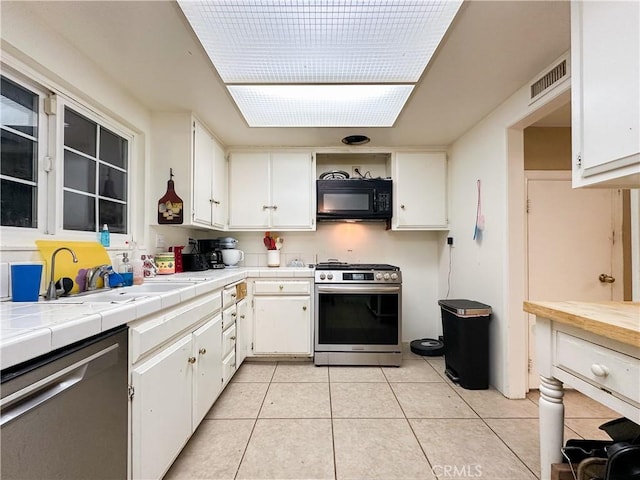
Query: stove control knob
[378, 276]
[386, 276]
[322, 276]
[330, 276]
[394, 276]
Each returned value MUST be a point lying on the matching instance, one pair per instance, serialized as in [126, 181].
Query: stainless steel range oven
[358, 314]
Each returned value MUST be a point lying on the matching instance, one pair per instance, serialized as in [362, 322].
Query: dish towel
[479, 216]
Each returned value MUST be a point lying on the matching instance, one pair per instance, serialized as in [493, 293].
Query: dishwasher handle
[34, 395]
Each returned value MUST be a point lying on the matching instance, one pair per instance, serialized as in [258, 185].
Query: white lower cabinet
[161, 409]
[282, 320]
[176, 377]
[207, 383]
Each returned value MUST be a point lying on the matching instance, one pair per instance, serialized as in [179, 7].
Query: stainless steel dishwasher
[64, 415]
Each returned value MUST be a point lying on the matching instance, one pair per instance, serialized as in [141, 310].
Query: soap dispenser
[126, 270]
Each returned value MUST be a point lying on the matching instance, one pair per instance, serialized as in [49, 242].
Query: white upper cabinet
[271, 190]
[605, 93]
[183, 143]
[210, 207]
[419, 191]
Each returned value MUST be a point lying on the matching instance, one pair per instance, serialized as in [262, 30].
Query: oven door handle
[345, 289]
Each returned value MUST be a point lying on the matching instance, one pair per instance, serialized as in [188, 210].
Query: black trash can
[465, 326]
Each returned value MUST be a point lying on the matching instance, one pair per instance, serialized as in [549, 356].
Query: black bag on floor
[623, 462]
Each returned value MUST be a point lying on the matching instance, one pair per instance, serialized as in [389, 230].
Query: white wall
[416, 253]
[32, 48]
[491, 269]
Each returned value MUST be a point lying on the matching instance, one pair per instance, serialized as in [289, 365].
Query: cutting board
[89, 254]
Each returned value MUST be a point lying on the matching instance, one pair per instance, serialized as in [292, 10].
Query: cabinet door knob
[202, 351]
[233, 314]
[233, 295]
[275, 207]
[242, 316]
[192, 360]
[402, 207]
[599, 370]
[304, 307]
[281, 287]
[232, 338]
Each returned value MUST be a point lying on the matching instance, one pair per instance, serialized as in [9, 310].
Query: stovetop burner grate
[356, 266]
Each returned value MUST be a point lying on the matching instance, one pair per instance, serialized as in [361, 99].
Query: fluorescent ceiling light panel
[330, 41]
[320, 105]
[297, 42]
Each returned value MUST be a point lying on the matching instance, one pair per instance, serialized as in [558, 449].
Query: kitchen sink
[125, 294]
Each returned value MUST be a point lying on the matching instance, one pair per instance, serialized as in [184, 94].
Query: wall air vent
[549, 79]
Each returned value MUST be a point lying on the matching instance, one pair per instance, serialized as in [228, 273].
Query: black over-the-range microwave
[354, 199]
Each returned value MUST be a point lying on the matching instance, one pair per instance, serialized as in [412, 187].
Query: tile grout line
[333, 436]
[496, 433]
[255, 422]
[406, 419]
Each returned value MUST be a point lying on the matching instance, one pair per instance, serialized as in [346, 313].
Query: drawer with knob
[229, 340]
[282, 287]
[603, 367]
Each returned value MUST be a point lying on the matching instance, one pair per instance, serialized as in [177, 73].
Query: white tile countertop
[30, 329]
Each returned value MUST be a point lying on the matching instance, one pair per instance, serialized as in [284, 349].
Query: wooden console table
[594, 348]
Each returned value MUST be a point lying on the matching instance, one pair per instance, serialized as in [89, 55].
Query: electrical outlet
[159, 240]
[355, 171]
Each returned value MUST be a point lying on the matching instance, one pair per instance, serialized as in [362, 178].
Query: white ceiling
[491, 50]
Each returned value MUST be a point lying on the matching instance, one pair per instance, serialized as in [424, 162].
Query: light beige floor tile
[412, 371]
[522, 436]
[239, 400]
[492, 404]
[356, 374]
[466, 448]
[289, 449]
[431, 400]
[577, 405]
[364, 400]
[297, 400]
[255, 372]
[588, 428]
[439, 365]
[300, 372]
[383, 449]
[213, 452]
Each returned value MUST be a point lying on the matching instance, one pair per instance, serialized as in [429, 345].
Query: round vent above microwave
[356, 140]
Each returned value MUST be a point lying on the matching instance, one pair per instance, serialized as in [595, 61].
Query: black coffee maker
[211, 250]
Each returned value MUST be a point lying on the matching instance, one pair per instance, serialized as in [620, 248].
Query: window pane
[17, 204]
[79, 132]
[19, 108]
[79, 172]
[19, 157]
[113, 148]
[79, 212]
[114, 215]
[113, 183]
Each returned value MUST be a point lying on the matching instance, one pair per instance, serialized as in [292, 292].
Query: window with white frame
[95, 178]
[22, 135]
[83, 154]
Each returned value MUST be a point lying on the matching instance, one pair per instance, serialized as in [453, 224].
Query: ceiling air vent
[549, 79]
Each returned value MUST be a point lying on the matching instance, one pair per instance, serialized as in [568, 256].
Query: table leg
[551, 410]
